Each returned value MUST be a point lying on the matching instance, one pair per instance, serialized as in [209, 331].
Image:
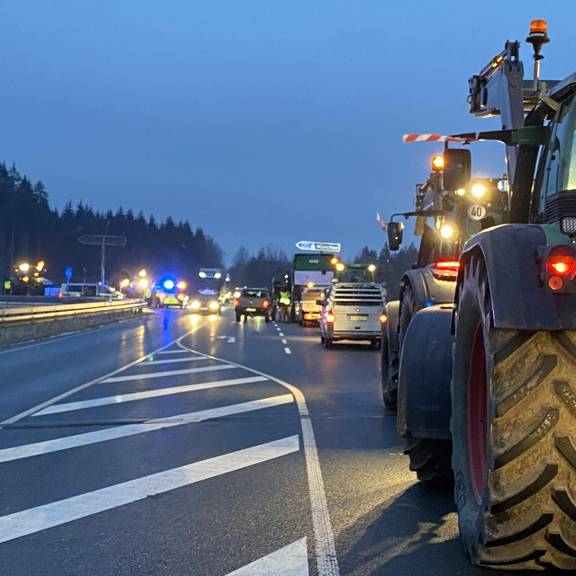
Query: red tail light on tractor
[446, 269]
[560, 269]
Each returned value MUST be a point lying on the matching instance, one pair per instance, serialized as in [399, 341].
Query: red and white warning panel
[409, 138]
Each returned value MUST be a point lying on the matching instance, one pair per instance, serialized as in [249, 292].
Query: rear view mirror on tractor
[457, 168]
[394, 230]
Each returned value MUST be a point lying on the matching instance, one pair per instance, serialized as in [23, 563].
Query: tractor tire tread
[430, 459]
[530, 498]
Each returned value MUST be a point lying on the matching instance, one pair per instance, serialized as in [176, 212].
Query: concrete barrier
[37, 322]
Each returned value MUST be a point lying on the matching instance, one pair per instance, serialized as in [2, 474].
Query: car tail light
[446, 269]
[265, 304]
[236, 302]
[560, 267]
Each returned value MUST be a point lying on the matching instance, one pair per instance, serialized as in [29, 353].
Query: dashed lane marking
[284, 341]
[77, 440]
[122, 398]
[287, 350]
[281, 334]
[150, 375]
[61, 512]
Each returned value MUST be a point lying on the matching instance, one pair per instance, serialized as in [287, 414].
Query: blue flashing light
[169, 284]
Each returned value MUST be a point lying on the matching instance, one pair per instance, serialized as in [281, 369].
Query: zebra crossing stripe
[169, 361]
[291, 560]
[60, 512]
[132, 397]
[87, 438]
[149, 375]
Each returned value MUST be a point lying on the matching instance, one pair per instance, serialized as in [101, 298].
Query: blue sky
[263, 121]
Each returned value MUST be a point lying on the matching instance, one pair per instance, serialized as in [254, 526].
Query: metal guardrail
[10, 316]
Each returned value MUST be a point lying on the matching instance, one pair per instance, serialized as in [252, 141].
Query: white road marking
[229, 339]
[287, 350]
[77, 440]
[63, 511]
[122, 398]
[292, 560]
[150, 375]
[42, 405]
[284, 341]
[174, 352]
[170, 361]
[281, 334]
[325, 548]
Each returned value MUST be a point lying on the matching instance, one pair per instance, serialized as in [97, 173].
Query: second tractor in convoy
[449, 208]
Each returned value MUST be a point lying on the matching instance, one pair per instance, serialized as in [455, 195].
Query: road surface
[191, 445]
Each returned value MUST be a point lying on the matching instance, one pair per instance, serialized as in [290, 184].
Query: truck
[310, 271]
[493, 373]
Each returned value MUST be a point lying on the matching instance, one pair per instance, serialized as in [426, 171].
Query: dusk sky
[262, 121]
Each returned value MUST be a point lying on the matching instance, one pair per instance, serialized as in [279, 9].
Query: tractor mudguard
[429, 290]
[519, 299]
[424, 405]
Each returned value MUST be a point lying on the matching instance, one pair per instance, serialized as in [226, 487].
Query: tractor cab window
[560, 172]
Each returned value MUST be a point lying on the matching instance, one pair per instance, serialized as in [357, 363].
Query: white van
[84, 290]
[353, 311]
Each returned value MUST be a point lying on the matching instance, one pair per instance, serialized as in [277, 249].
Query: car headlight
[213, 305]
[195, 305]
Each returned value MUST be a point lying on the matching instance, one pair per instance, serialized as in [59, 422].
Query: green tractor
[492, 377]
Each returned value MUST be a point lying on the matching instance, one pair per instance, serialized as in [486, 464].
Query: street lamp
[143, 273]
[24, 267]
[371, 268]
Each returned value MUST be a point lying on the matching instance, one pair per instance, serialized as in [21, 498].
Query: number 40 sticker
[477, 212]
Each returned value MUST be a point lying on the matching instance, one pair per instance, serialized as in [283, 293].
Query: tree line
[390, 265]
[30, 230]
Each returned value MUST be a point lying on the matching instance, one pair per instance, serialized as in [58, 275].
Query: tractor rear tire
[430, 459]
[389, 359]
[514, 441]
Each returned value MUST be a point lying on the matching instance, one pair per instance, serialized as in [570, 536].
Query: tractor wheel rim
[477, 414]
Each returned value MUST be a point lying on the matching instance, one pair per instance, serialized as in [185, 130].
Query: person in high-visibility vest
[284, 306]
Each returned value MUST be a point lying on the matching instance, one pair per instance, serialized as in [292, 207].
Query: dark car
[253, 302]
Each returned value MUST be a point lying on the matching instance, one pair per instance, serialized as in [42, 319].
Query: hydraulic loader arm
[500, 90]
